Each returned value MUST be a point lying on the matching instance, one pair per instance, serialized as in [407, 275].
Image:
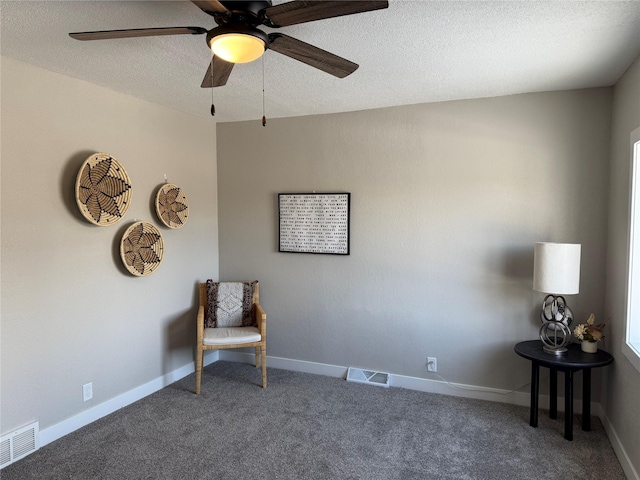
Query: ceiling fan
[237, 39]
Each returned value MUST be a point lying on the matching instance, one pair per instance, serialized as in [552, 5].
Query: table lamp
[556, 271]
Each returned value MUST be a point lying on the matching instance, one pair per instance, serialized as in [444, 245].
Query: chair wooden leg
[257, 357]
[263, 351]
[199, 360]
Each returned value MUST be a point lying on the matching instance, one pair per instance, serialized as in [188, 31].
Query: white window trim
[631, 338]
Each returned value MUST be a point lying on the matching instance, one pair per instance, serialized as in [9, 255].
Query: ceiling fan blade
[217, 73]
[137, 32]
[314, 56]
[210, 6]
[301, 11]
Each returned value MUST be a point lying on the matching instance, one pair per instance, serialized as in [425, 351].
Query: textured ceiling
[412, 52]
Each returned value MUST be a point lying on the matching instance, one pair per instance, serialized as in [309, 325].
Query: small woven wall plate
[142, 249]
[172, 206]
[103, 189]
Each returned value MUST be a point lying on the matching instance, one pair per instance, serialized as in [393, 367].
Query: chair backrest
[229, 304]
[203, 293]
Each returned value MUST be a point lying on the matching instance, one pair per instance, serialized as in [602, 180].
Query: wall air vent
[368, 376]
[18, 444]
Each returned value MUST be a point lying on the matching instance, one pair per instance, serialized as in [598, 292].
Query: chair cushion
[230, 304]
[230, 335]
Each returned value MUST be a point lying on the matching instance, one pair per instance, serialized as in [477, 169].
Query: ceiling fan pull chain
[264, 117]
[213, 108]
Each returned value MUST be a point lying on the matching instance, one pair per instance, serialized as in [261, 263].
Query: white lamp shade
[556, 268]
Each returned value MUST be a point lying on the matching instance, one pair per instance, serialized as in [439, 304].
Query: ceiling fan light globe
[237, 47]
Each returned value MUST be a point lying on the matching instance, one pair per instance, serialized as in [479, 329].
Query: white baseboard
[410, 383]
[65, 427]
[286, 364]
[621, 452]
[69, 425]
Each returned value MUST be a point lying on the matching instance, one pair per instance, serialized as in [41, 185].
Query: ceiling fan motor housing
[249, 12]
[237, 28]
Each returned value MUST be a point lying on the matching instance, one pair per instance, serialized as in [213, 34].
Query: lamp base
[556, 317]
[554, 350]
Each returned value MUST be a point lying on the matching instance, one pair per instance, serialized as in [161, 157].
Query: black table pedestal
[572, 361]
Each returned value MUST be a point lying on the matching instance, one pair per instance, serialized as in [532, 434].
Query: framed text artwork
[314, 222]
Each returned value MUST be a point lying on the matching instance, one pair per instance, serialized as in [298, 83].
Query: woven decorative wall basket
[142, 249]
[103, 189]
[172, 206]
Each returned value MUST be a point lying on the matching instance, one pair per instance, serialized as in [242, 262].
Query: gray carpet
[307, 426]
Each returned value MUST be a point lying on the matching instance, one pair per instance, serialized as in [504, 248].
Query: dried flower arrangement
[589, 332]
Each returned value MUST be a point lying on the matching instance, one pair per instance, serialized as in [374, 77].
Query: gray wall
[622, 391]
[70, 313]
[447, 202]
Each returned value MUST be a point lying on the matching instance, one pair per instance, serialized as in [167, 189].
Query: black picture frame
[314, 223]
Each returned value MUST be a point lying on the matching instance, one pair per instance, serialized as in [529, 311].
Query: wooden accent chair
[230, 316]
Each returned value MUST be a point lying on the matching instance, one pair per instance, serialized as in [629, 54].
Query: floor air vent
[18, 444]
[368, 376]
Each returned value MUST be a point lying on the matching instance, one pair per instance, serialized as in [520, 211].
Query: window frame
[631, 337]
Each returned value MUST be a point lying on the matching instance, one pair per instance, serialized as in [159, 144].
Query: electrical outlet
[87, 391]
[432, 364]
